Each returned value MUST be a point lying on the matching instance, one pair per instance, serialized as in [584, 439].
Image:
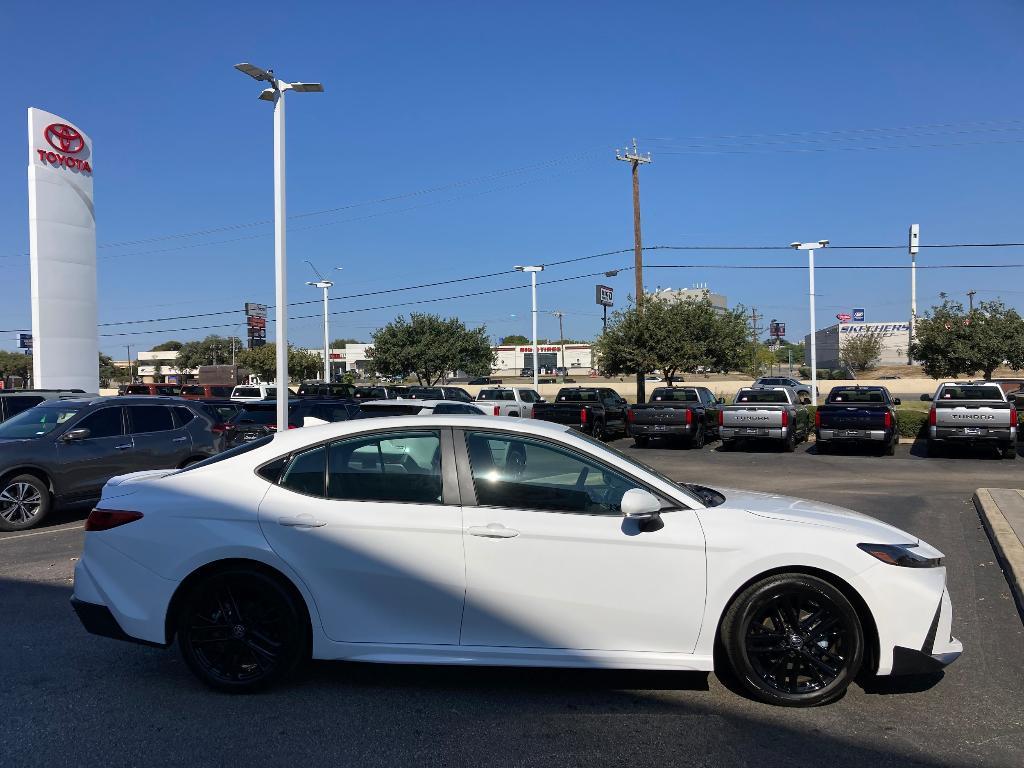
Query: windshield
[36, 422]
[600, 447]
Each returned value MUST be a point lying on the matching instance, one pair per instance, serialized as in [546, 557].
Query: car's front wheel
[793, 640]
[241, 630]
[24, 502]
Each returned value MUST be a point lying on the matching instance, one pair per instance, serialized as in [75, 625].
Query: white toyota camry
[476, 540]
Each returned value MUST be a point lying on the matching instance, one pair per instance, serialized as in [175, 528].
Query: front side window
[150, 418]
[529, 396]
[396, 466]
[106, 422]
[522, 473]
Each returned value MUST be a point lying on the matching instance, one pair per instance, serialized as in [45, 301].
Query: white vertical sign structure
[62, 240]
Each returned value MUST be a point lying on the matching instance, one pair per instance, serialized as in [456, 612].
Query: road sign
[255, 310]
[605, 296]
[843, 317]
[24, 341]
[858, 315]
[777, 329]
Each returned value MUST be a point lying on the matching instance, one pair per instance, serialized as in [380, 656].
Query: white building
[150, 366]
[698, 291]
[829, 341]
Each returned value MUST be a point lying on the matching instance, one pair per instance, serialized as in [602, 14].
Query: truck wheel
[1010, 452]
[640, 441]
[935, 450]
[697, 441]
[728, 445]
[789, 445]
[598, 432]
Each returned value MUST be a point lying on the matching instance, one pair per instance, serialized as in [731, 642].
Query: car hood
[788, 508]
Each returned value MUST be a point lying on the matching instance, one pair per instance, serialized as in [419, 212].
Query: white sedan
[475, 540]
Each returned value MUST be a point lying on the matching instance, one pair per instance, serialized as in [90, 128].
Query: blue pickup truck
[861, 415]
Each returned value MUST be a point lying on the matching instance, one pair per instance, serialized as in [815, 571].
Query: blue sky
[492, 128]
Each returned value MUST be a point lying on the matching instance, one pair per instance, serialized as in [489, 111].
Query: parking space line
[40, 533]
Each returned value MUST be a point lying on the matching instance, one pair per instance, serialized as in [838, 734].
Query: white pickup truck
[508, 401]
[969, 412]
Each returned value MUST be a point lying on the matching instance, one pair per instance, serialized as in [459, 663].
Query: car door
[710, 403]
[85, 465]
[159, 443]
[614, 409]
[371, 525]
[551, 562]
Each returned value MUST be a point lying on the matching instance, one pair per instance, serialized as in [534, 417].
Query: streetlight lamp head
[267, 94]
[795, 245]
[823, 243]
[529, 269]
[611, 273]
[255, 72]
[308, 87]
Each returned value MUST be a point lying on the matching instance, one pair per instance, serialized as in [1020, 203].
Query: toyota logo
[64, 138]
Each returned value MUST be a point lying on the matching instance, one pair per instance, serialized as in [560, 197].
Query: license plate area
[973, 430]
[852, 433]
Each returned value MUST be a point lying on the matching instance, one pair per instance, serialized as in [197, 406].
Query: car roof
[409, 401]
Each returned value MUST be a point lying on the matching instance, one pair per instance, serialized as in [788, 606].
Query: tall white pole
[327, 340]
[536, 355]
[280, 265]
[814, 342]
[915, 233]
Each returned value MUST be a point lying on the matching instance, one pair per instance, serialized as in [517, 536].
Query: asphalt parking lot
[70, 698]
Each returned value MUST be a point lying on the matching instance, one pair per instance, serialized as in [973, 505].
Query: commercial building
[830, 341]
[698, 291]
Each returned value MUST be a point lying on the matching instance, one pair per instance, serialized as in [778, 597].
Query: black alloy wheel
[640, 441]
[598, 431]
[794, 640]
[241, 630]
[24, 502]
[697, 441]
[789, 444]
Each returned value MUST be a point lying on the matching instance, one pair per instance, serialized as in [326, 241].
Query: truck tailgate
[851, 418]
[986, 416]
[657, 414]
[738, 416]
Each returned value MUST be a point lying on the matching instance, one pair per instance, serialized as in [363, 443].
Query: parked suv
[65, 450]
[167, 390]
[802, 391]
[206, 391]
[13, 402]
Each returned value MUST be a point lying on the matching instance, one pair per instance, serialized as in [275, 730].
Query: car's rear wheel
[1010, 452]
[241, 630]
[793, 640]
[598, 432]
[697, 441]
[24, 502]
[640, 441]
[789, 444]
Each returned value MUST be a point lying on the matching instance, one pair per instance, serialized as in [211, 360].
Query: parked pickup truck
[508, 401]
[972, 412]
[598, 411]
[764, 413]
[690, 413]
[857, 415]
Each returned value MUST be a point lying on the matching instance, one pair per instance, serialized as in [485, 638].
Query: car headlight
[900, 554]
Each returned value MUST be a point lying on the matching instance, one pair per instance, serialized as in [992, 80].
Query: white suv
[509, 401]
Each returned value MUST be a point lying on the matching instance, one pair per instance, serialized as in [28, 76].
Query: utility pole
[912, 246]
[755, 334]
[970, 297]
[635, 160]
[131, 375]
[561, 334]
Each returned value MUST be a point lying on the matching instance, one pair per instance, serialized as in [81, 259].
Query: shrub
[912, 424]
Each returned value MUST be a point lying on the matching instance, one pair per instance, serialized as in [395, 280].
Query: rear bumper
[753, 433]
[654, 430]
[863, 435]
[1006, 435]
[98, 620]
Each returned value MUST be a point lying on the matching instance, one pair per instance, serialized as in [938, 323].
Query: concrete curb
[1008, 547]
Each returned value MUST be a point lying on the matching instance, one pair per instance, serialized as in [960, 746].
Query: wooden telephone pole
[561, 334]
[635, 159]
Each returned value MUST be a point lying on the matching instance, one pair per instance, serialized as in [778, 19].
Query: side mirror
[926, 398]
[638, 504]
[897, 401]
[74, 435]
[720, 401]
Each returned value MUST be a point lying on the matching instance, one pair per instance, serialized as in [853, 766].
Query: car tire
[598, 432]
[793, 640]
[25, 501]
[1010, 452]
[242, 630]
[728, 444]
[789, 444]
[697, 441]
[641, 441]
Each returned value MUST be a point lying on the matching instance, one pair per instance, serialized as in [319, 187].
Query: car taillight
[497, 410]
[689, 417]
[630, 415]
[583, 415]
[721, 418]
[220, 429]
[932, 417]
[1013, 417]
[817, 419]
[888, 420]
[785, 418]
[105, 519]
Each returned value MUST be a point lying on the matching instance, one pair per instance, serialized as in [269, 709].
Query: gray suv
[63, 451]
[14, 401]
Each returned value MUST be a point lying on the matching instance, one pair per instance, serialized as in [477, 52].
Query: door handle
[123, 447]
[492, 531]
[301, 521]
[179, 440]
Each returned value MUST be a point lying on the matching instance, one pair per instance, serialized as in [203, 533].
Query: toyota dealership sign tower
[62, 237]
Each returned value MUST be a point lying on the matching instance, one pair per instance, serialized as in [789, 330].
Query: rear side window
[528, 396]
[306, 472]
[150, 418]
[136, 389]
[497, 394]
[220, 391]
[459, 408]
[192, 390]
[392, 467]
[246, 392]
[184, 415]
[231, 452]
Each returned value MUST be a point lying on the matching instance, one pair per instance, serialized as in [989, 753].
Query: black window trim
[468, 488]
[450, 495]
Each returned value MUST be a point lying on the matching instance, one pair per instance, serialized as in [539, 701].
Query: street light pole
[533, 289]
[561, 334]
[325, 284]
[809, 247]
[275, 93]
[915, 234]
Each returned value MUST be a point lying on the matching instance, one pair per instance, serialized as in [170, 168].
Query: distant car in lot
[803, 391]
[206, 391]
[461, 540]
[162, 390]
[440, 393]
[509, 401]
[65, 450]
[969, 413]
[855, 414]
[484, 380]
[598, 411]
[687, 413]
[415, 407]
[326, 389]
[254, 392]
[14, 401]
[764, 413]
[379, 392]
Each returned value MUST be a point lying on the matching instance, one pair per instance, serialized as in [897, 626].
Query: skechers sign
[66, 141]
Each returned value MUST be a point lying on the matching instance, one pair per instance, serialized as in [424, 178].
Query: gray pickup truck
[764, 413]
[968, 413]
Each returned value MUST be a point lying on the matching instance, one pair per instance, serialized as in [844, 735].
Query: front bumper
[940, 648]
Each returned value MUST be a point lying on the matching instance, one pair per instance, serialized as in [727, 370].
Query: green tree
[861, 351]
[15, 364]
[515, 339]
[262, 361]
[673, 337]
[167, 346]
[950, 342]
[303, 364]
[340, 343]
[108, 371]
[212, 350]
[430, 347]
